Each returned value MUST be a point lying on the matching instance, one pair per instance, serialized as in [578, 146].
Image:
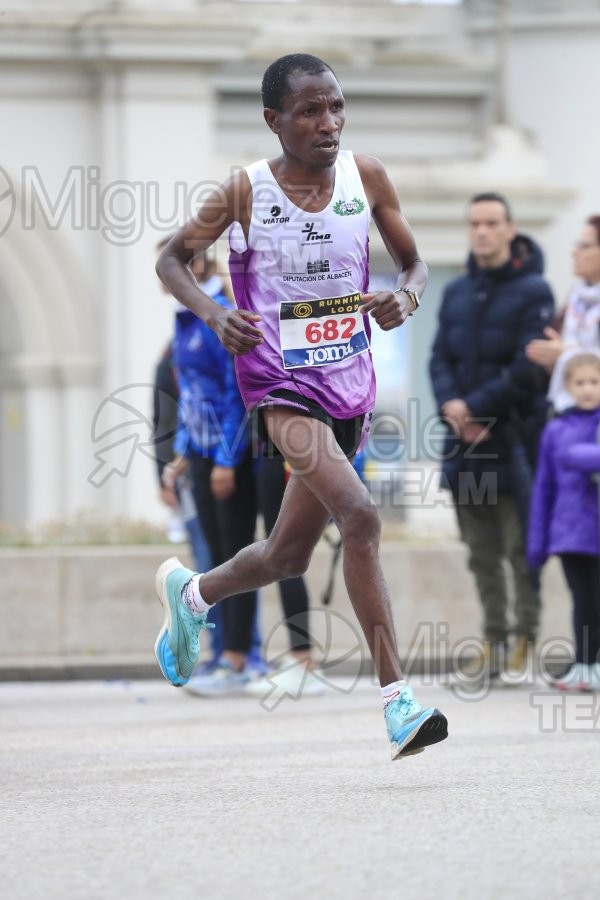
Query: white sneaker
[578, 678]
[594, 683]
[290, 679]
[221, 682]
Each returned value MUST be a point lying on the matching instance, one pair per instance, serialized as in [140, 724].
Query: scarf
[581, 326]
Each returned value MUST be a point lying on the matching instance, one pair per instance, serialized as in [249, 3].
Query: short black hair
[493, 197]
[275, 86]
[594, 221]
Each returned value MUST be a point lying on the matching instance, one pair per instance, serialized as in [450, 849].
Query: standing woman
[581, 322]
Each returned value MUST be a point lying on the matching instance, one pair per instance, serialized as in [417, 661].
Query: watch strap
[412, 295]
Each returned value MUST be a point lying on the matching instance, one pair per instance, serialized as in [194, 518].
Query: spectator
[493, 401]
[175, 494]
[581, 321]
[215, 445]
[564, 510]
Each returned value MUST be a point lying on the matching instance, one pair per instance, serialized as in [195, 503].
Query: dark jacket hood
[526, 258]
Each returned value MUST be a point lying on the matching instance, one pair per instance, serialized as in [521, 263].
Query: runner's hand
[387, 308]
[235, 332]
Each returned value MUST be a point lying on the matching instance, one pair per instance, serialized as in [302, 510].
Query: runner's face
[310, 124]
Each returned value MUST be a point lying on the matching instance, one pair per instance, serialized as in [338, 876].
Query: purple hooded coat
[563, 516]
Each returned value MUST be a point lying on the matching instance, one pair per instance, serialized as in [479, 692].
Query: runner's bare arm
[391, 309]
[222, 207]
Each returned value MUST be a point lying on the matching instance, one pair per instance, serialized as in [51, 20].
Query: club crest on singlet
[321, 331]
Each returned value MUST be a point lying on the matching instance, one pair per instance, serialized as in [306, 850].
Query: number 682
[330, 330]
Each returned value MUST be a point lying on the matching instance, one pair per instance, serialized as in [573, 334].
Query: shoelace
[409, 704]
[200, 621]
[409, 700]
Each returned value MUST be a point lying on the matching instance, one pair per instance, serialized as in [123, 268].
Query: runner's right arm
[223, 206]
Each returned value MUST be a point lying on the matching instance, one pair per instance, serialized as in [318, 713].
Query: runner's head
[304, 107]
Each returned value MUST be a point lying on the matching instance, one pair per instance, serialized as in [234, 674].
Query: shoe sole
[161, 589]
[431, 731]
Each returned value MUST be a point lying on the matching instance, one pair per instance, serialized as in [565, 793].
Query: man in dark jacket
[493, 401]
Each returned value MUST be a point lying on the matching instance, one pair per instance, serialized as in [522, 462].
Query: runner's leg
[323, 485]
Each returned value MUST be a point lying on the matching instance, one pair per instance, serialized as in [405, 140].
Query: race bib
[321, 332]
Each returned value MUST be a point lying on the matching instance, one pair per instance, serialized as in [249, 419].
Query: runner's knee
[361, 522]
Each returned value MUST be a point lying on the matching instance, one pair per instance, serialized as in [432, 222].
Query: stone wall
[70, 612]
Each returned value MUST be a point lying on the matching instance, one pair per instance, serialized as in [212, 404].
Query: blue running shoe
[177, 646]
[410, 727]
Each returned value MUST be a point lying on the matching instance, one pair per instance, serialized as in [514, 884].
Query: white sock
[192, 598]
[391, 691]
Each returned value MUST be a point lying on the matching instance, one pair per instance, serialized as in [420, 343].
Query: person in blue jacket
[493, 400]
[174, 493]
[563, 517]
[214, 442]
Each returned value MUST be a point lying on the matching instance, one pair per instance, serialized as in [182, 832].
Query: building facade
[118, 116]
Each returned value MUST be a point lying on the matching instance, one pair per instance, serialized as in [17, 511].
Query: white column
[13, 459]
[157, 135]
[45, 452]
[78, 461]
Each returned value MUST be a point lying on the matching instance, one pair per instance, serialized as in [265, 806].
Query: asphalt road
[137, 790]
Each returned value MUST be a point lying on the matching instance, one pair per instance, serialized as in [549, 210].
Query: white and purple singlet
[304, 273]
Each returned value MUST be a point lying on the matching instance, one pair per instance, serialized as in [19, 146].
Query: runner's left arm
[391, 309]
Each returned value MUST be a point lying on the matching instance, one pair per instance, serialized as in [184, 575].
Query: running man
[298, 231]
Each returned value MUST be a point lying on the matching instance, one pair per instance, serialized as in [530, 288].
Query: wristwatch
[413, 296]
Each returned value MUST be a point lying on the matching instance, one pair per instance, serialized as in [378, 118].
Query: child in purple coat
[563, 517]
